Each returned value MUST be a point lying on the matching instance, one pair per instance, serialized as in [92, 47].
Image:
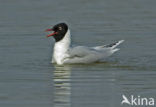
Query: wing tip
[117, 43]
[121, 41]
[116, 49]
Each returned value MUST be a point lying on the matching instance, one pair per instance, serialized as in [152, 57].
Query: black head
[59, 31]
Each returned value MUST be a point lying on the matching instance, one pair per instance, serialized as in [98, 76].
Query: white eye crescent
[60, 28]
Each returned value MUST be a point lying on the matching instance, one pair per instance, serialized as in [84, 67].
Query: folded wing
[82, 54]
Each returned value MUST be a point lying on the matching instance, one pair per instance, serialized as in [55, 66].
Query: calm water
[28, 79]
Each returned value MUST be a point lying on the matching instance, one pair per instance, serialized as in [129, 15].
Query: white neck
[61, 48]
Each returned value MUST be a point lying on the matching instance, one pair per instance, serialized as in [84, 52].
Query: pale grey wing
[79, 51]
[82, 54]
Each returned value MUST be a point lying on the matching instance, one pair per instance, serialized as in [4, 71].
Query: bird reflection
[62, 86]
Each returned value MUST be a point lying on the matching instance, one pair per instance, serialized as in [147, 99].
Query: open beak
[47, 30]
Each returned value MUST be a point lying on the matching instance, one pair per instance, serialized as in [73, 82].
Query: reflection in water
[62, 86]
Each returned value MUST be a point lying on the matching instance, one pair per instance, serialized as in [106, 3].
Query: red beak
[47, 30]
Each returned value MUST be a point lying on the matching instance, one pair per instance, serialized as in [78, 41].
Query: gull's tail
[110, 46]
[114, 45]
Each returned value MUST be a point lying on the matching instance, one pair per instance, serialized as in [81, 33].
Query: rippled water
[28, 79]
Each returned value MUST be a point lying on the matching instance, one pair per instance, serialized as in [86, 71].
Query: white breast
[61, 49]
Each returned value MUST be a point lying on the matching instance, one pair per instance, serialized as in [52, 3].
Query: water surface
[28, 79]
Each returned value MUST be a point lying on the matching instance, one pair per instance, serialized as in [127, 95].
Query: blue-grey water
[28, 79]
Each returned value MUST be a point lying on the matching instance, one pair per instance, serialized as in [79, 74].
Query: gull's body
[63, 53]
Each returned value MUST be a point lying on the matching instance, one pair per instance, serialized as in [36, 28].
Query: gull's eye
[60, 28]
